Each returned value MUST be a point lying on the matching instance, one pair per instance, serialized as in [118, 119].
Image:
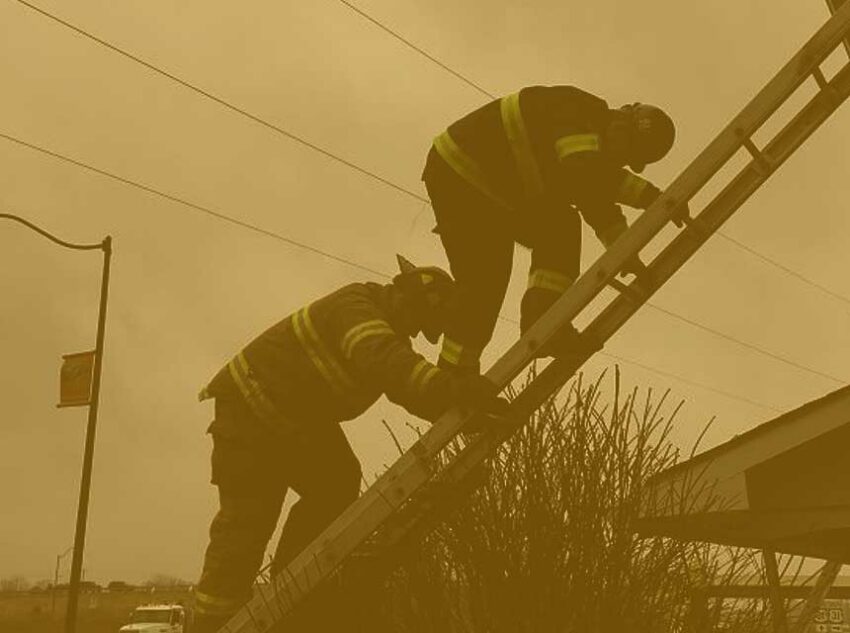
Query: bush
[547, 542]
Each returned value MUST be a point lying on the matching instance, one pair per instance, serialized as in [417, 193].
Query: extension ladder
[391, 504]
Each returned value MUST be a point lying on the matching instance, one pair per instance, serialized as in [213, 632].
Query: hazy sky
[188, 290]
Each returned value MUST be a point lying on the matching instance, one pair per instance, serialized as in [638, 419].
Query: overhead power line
[751, 346]
[700, 385]
[790, 271]
[322, 253]
[223, 102]
[187, 203]
[292, 136]
[422, 52]
[669, 374]
[311, 145]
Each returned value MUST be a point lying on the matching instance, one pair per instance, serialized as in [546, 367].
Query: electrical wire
[187, 203]
[422, 52]
[750, 346]
[694, 383]
[790, 271]
[299, 139]
[223, 102]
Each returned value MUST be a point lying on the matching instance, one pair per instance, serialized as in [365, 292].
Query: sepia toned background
[189, 289]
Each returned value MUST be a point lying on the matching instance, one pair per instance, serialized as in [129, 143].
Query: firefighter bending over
[278, 405]
[520, 170]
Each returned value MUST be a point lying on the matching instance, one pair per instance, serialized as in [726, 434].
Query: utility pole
[59, 557]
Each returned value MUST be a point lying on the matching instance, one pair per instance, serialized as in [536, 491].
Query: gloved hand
[652, 193]
[474, 392]
[568, 342]
[682, 211]
[471, 390]
[481, 420]
[611, 233]
[634, 266]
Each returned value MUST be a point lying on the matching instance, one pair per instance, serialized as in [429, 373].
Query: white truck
[156, 618]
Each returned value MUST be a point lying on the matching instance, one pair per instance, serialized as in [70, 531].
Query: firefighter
[523, 169]
[278, 405]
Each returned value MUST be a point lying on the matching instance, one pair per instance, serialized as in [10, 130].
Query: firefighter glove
[474, 391]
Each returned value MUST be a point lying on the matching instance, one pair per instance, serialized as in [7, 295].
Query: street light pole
[88, 456]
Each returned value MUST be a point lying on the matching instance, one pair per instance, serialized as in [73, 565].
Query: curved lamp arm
[51, 237]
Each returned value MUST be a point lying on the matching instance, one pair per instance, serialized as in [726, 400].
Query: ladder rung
[627, 290]
[825, 86]
[817, 73]
[695, 226]
[761, 163]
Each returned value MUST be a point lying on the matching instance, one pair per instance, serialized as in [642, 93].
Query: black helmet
[429, 289]
[654, 133]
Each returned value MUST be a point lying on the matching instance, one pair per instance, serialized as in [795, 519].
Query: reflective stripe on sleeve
[520, 143]
[549, 280]
[422, 374]
[631, 189]
[458, 355]
[317, 351]
[576, 143]
[465, 166]
[375, 327]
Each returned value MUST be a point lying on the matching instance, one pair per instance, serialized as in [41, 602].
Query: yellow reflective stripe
[576, 143]
[464, 165]
[421, 375]
[375, 327]
[458, 355]
[317, 361]
[250, 389]
[520, 143]
[418, 370]
[549, 280]
[336, 368]
[330, 370]
[429, 375]
[451, 351]
[631, 189]
[213, 604]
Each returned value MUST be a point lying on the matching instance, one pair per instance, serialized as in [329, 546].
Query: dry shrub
[547, 543]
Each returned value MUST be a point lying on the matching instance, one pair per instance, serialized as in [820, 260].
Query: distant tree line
[19, 583]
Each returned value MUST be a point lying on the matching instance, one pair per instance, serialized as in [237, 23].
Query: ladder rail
[833, 7]
[417, 466]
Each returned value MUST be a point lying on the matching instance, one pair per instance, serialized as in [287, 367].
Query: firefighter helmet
[429, 289]
[653, 134]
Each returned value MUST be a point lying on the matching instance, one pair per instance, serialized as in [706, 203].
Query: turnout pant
[253, 474]
[478, 236]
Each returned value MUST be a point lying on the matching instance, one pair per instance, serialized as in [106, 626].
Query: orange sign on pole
[75, 379]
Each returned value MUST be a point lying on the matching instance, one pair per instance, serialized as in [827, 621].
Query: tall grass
[547, 542]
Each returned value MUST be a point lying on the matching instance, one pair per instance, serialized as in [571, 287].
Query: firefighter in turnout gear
[278, 405]
[523, 169]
